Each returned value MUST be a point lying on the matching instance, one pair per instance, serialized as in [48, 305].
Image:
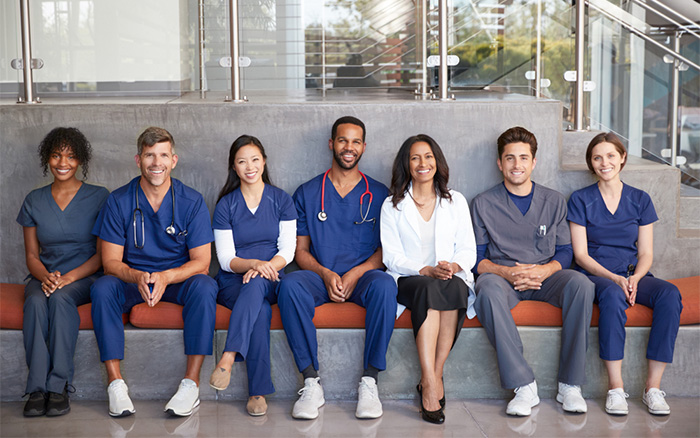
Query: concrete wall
[296, 139]
[470, 371]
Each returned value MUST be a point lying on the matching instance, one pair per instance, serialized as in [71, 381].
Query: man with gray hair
[156, 236]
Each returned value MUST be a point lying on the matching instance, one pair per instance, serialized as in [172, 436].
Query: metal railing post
[580, 47]
[424, 44]
[538, 53]
[442, 31]
[235, 53]
[673, 116]
[27, 55]
[200, 21]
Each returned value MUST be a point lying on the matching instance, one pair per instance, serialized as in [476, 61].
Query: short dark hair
[401, 173]
[605, 137]
[517, 134]
[348, 119]
[153, 135]
[60, 139]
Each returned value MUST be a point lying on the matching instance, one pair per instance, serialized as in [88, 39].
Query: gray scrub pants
[567, 289]
[50, 328]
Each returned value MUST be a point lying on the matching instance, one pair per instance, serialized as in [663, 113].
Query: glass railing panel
[10, 48]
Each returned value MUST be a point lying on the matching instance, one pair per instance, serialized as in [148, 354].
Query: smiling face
[421, 163]
[249, 164]
[347, 146]
[517, 164]
[63, 164]
[607, 161]
[156, 162]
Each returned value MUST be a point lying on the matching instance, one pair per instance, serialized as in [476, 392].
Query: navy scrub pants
[569, 290]
[111, 297]
[249, 329]
[300, 292]
[50, 329]
[661, 296]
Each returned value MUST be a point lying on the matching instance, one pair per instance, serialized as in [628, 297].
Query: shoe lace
[121, 392]
[614, 396]
[306, 392]
[656, 396]
[566, 389]
[366, 391]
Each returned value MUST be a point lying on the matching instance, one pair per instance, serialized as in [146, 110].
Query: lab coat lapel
[412, 214]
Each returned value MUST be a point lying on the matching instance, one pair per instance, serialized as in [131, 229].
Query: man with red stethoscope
[339, 252]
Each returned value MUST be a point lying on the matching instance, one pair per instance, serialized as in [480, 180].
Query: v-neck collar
[148, 207]
[334, 191]
[245, 205]
[54, 204]
[605, 206]
[529, 215]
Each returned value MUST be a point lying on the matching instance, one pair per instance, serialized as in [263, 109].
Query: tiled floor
[468, 418]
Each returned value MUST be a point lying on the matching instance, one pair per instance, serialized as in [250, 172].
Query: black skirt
[420, 293]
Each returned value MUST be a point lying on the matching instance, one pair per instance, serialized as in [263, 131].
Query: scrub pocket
[545, 244]
[364, 233]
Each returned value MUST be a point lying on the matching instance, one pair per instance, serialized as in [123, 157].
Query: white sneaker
[368, 403]
[616, 403]
[655, 401]
[185, 399]
[119, 402]
[571, 399]
[525, 399]
[306, 408]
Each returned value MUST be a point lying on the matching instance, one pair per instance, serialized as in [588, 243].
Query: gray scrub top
[512, 237]
[65, 238]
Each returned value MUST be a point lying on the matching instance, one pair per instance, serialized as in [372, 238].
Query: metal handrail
[666, 17]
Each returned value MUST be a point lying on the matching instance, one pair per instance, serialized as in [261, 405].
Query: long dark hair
[401, 173]
[233, 181]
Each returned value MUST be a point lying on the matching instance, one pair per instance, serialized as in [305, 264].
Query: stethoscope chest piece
[322, 216]
[170, 230]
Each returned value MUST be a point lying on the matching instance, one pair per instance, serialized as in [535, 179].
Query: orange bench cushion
[347, 315]
[12, 303]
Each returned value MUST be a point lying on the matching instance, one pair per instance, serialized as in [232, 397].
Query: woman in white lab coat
[429, 249]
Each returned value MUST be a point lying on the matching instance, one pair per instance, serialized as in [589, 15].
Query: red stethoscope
[322, 216]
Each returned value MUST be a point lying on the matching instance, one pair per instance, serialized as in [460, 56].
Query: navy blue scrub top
[254, 234]
[160, 251]
[65, 241]
[612, 238]
[338, 243]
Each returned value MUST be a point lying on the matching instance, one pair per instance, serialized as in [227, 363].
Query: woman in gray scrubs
[63, 260]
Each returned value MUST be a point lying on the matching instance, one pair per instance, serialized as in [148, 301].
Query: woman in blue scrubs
[63, 260]
[612, 237]
[255, 232]
[429, 249]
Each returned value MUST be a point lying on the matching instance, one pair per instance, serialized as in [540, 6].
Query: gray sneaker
[368, 403]
[616, 402]
[311, 398]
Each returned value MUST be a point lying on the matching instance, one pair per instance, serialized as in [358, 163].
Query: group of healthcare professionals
[416, 245]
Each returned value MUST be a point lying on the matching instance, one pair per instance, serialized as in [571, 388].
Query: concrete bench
[154, 364]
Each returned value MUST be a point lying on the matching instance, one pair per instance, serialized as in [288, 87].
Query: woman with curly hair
[63, 260]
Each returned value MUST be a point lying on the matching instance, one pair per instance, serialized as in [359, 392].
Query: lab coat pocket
[545, 244]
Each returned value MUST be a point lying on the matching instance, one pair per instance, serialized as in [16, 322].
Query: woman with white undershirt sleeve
[429, 249]
[255, 232]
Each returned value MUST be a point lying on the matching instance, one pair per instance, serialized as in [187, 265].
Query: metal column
[27, 55]
[235, 54]
[580, 47]
[442, 28]
[538, 53]
[673, 109]
[200, 21]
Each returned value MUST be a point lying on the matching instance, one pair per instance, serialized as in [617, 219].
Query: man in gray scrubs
[523, 248]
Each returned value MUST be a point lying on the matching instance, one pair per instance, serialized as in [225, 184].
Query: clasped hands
[527, 276]
[628, 286]
[442, 271]
[263, 269]
[152, 286]
[340, 288]
[54, 281]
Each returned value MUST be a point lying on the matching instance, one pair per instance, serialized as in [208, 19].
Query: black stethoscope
[170, 230]
[322, 216]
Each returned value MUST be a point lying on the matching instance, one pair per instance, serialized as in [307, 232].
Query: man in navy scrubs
[523, 252]
[338, 250]
[156, 238]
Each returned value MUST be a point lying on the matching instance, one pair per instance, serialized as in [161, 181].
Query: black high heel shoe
[435, 417]
[442, 401]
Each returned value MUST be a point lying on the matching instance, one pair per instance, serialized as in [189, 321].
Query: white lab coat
[454, 240]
